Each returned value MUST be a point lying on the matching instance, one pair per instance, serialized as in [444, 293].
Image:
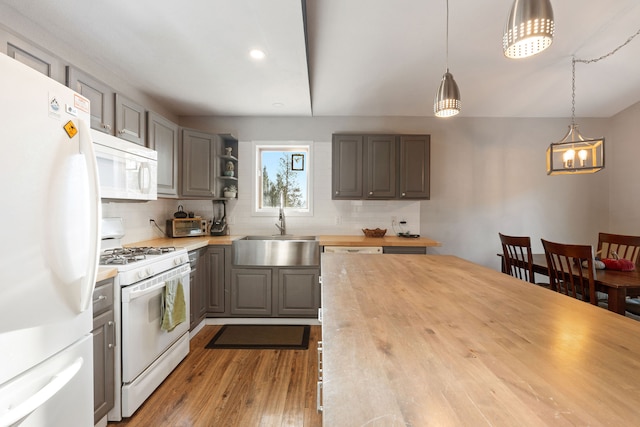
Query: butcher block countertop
[435, 340]
[192, 243]
[341, 240]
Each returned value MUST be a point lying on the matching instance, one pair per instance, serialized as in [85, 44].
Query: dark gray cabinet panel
[415, 166]
[199, 159]
[384, 167]
[162, 136]
[130, 120]
[346, 171]
[298, 292]
[216, 279]
[251, 292]
[380, 152]
[99, 94]
[104, 334]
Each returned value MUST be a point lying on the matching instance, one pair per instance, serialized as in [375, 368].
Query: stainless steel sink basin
[279, 237]
[276, 251]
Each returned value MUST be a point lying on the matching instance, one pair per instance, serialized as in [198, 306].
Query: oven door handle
[132, 295]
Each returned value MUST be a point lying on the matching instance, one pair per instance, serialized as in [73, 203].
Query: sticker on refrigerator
[54, 106]
[81, 103]
[71, 129]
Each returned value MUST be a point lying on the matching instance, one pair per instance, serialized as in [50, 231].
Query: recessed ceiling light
[257, 54]
[278, 104]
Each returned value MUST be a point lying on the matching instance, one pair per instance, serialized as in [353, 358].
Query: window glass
[282, 170]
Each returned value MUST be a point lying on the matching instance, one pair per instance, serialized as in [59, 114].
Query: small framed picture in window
[297, 162]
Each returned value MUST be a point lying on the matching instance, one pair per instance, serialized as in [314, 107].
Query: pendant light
[447, 100]
[529, 28]
[561, 155]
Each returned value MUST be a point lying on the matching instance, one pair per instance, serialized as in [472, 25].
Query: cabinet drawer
[103, 296]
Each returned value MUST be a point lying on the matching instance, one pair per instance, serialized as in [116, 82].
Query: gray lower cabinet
[216, 289]
[162, 136]
[251, 292]
[298, 292]
[130, 121]
[275, 292]
[383, 167]
[104, 335]
[101, 96]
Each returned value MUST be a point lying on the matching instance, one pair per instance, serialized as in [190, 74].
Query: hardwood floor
[235, 388]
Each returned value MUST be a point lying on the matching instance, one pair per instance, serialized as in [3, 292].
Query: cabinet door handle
[112, 344]
[371, 193]
[337, 192]
[100, 298]
[404, 194]
[319, 397]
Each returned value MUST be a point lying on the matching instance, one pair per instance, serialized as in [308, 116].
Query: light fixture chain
[589, 61]
[573, 91]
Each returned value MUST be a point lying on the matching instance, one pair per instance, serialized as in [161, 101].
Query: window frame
[293, 146]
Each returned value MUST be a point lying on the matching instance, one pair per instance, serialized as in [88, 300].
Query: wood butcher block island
[435, 340]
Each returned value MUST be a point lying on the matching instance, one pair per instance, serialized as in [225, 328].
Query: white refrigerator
[50, 220]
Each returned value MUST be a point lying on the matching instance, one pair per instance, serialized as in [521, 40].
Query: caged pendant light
[529, 28]
[561, 155]
[447, 100]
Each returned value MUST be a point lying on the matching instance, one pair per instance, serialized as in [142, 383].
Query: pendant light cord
[573, 67]
[447, 38]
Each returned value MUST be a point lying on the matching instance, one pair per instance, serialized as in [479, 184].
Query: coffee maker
[219, 224]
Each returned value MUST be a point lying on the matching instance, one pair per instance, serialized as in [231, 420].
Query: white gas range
[152, 342]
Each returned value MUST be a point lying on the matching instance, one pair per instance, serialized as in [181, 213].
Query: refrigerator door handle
[95, 209]
[57, 382]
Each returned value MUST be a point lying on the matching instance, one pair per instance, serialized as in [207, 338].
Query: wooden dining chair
[566, 272]
[625, 247]
[517, 258]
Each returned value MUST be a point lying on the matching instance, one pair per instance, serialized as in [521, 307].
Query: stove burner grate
[132, 254]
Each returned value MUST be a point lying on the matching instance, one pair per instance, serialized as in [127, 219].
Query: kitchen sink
[276, 251]
[279, 237]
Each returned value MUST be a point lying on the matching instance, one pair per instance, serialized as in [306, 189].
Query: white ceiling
[362, 57]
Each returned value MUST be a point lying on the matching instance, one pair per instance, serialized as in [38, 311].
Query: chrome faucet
[283, 225]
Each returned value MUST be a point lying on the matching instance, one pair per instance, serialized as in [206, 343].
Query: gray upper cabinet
[162, 136]
[199, 160]
[380, 152]
[99, 94]
[383, 167]
[35, 58]
[347, 166]
[130, 120]
[414, 166]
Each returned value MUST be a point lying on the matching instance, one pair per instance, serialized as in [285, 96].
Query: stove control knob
[141, 275]
[150, 271]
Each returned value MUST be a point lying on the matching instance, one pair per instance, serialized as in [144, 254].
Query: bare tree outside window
[278, 176]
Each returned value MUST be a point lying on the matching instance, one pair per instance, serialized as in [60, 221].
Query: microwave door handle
[144, 177]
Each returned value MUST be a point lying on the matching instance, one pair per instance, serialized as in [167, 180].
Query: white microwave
[126, 171]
